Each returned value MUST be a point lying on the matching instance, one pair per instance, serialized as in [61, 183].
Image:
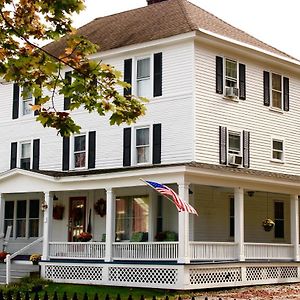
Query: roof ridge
[182, 4]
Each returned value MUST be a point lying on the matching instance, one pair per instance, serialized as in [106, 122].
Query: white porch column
[183, 227]
[152, 215]
[47, 207]
[294, 206]
[110, 223]
[239, 222]
[2, 204]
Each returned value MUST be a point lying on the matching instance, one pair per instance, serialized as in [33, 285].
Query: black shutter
[219, 75]
[242, 81]
[66, 153]
[156, 159]
[266, 88]
[127, 75]
[36, 154]
[92, 150]
[157, 84]
[36, 102]
[246, 149]
[68, 78]
[223, 145]
[286, 94]
[16, 98]
[127, 147]
[13, 155]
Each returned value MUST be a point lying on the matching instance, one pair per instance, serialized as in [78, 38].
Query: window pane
[34, 228]
[25, 163]
[277, 145]
[143, 68]
[276, 82]
[142, 154]
[21, 209]
[27, 107]
[277, 155]
[142, 136]
[276, 99]
[21, 228]
[34, 208]
[25, 150]
[9, 210]
[278, 207]
[231, 68]
[8, 223]
[234, 142]
[140, 212]
[144, 88]
[79, 159]
[79, 143]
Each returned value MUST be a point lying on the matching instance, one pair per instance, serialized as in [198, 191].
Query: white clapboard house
[222, 129]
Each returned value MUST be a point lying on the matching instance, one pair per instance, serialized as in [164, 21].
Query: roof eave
[248, 46]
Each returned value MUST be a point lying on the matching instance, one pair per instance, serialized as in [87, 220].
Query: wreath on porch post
[100, 207]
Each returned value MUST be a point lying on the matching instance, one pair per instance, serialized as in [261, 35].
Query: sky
[275, 22]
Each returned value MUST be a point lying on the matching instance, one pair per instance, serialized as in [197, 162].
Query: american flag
[180, 204]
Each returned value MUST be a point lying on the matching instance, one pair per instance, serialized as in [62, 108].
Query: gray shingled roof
[157, 21]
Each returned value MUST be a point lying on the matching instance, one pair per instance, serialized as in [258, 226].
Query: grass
[41, 286]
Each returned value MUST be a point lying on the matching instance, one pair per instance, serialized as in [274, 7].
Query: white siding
[212, 111]
[172, 110]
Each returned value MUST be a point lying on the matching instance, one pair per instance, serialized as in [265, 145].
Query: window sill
[232, 99]
[277, 110]
[278, 161]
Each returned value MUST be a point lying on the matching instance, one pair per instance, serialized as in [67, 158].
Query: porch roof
[18, 180]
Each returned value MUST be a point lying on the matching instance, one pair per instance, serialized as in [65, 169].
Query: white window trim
[133, 144]
[271, 93]
[134, 73]
[235, 99]
[277, 138]
[27, 198]
[72, 160]
[20, 151]
[21, 106]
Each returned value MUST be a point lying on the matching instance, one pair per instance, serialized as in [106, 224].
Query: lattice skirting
[172, 276]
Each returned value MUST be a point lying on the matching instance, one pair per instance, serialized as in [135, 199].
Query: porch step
[18, 271]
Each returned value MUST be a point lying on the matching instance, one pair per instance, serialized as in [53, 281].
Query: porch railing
[210, 251]
[268, 251]
[145, 251]
[89, 250]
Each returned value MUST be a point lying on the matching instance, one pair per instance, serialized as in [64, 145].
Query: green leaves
[94, 85]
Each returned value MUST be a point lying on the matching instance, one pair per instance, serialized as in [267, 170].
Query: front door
[77, 217]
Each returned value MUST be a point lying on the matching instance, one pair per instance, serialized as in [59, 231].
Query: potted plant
[35, 258]
[3, 255]
[268, 224]
[58, 212]
[84, 237]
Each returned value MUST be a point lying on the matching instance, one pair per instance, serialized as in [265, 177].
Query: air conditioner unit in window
[231, 92]
[235, 159]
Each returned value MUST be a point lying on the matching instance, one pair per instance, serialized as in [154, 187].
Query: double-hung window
[276, 91]
[142, 145]
[80, 151]
[277, 150]
[21, 219]
[279, 219]
[25, 155]
[26, 102]
[143, 77]
[231, 73]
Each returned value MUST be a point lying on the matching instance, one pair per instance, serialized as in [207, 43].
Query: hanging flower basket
[58, 212]
[100, 207]
[84, 237]
[268, 224]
